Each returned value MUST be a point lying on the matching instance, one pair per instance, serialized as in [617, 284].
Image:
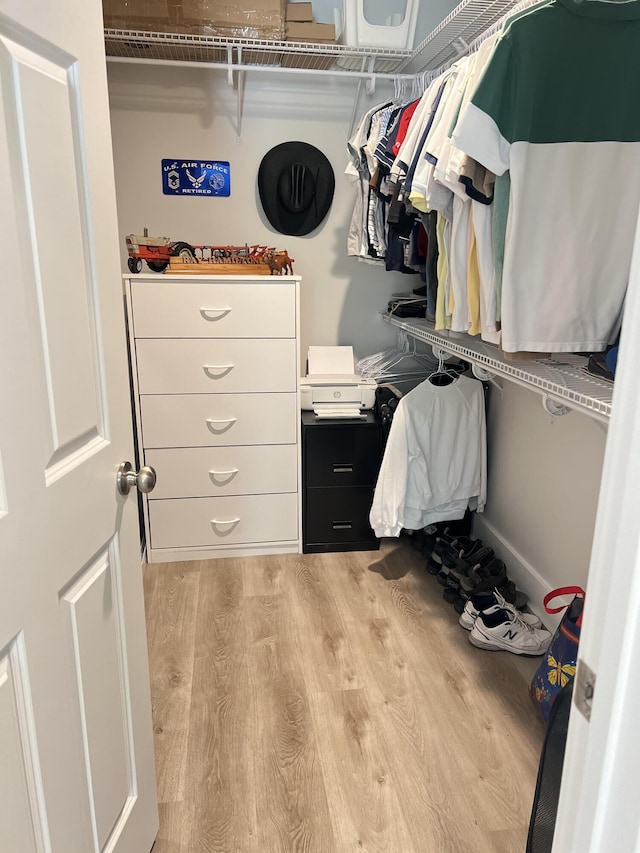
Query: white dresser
[215, 367]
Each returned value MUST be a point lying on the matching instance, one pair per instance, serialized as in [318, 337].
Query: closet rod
[269, 69]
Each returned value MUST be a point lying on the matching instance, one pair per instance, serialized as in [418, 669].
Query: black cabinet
[341, 459]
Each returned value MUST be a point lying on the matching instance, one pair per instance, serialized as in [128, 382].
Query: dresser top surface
[168, 278]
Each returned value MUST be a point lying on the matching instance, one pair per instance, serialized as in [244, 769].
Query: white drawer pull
[220, 425]
[214, 313]
[227, 476]
[217, 371]
[230, 523]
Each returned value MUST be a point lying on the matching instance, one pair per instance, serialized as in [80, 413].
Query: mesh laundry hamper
[545, 801]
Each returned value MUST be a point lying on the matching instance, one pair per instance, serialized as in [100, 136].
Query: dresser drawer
[202, 522]
[334, 516]
[226, 310]
[215, 420]
[342, 455]
[194, 472]
[195, 366]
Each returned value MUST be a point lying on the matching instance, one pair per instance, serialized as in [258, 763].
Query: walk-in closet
[230, 625]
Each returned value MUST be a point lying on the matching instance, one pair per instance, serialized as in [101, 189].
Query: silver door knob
[127, 478]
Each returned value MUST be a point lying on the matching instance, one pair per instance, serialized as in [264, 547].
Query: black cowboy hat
[296, 184]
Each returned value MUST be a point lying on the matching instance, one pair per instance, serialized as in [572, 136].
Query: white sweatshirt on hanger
[435, 461]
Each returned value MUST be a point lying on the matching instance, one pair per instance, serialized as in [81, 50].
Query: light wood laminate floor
[330, 703]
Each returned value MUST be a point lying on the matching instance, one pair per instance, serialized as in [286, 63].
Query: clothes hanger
[396, 362]
[404, 91]
[442, 375]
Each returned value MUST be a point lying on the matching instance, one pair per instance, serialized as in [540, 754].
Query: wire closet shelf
[562, 377]
[468, 21]
[182, 47]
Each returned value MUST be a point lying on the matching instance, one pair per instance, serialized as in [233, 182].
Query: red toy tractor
[156, 251]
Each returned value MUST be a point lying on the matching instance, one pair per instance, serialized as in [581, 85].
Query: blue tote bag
[559, 664]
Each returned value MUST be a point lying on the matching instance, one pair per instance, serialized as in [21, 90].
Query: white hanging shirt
[435, 461]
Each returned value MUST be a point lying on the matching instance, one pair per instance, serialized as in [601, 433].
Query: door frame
[598, 798]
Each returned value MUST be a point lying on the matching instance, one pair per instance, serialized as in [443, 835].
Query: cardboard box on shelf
[301, 12]
[310, 32]
[260, 19]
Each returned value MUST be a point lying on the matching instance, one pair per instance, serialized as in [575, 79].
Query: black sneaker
[441, 543]
[459, 604]
[454, 552]
[453, 597]
[448, 579]
[483, 577]
[465, 550]
[416, 539]
[424, 539]
[454, 568]
[514, 596]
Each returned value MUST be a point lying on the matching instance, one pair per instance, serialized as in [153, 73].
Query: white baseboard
[521, 572]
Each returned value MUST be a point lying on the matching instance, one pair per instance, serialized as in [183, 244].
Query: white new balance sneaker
[502, 630]
[488, 603]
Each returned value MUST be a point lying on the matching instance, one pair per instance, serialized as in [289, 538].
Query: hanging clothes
[435, 461]
[574, 169]
[373, 235]
[419, 127]
[538, 188]
[362, 238]
[417, 135]
[443, 318]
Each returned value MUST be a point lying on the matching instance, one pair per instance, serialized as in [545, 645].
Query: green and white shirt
[558, 106]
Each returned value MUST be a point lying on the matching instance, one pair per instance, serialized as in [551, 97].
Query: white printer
[331, 389]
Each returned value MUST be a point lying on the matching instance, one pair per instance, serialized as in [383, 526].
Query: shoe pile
[475, 582]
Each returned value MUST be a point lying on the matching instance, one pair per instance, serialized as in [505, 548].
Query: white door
[598, 809]
[76, 755]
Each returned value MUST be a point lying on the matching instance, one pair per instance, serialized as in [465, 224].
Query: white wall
[162, 112]
[543, 483]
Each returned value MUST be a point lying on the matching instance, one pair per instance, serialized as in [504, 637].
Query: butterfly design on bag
[560, 673]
